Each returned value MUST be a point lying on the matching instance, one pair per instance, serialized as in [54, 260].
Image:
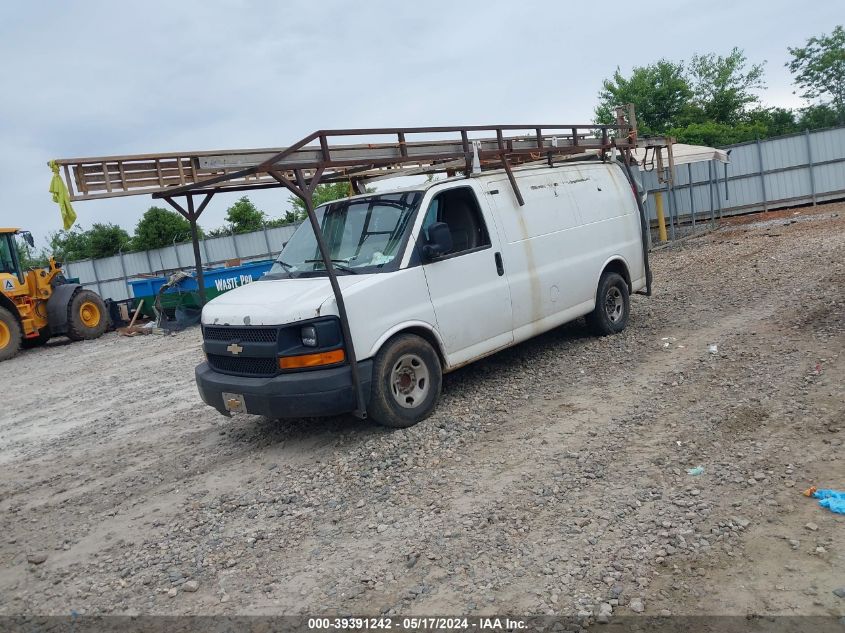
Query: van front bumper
[313, 393]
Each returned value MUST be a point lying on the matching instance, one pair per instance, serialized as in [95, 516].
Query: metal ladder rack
[465, 148]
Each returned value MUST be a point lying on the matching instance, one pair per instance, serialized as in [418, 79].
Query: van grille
[242, 334]
[244, 366]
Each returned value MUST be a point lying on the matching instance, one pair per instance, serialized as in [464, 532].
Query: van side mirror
[439, 241]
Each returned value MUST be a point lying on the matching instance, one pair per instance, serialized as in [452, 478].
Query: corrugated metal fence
[109, 276]
[763, 175]
[780, 172]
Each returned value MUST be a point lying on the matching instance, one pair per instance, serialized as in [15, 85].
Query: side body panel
[576, 218]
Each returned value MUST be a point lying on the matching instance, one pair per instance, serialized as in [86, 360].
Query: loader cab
[9, 263]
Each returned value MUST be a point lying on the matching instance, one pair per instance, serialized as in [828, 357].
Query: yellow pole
[661, 219]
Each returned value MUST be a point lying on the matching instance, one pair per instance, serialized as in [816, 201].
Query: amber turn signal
[312, 360]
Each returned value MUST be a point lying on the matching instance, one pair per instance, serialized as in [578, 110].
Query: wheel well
[428, 336]
[618, 266]
[10, 306]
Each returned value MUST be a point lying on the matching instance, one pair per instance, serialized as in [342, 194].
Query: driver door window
[458, 208]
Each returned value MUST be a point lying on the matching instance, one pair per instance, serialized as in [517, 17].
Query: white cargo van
[433, 278]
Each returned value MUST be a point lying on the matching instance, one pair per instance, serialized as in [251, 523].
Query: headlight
[309, 336]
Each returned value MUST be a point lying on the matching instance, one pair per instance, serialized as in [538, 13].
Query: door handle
[500, 265]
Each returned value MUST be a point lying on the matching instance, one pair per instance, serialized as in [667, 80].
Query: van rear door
[468, 287]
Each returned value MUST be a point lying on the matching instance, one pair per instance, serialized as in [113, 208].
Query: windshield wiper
[343, 264]
[285, 264]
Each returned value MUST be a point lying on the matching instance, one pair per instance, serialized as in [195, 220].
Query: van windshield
[363, 235]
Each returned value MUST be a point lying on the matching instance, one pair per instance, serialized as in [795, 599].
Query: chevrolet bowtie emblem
[235, 349]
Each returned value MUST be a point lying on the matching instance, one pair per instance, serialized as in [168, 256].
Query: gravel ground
[551, 479]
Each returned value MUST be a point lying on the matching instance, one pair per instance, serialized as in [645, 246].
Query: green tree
[702, 99]
[290, 217]
[71, 245]
[819, 69]
[159, 227]
[222, 231]
[245, 217]
[30, 259]
[105, 240]
[659, 92]
[322, 194]
[775, 121]
[722, 86]
[817, 117]
[101, 240]
[714, 134]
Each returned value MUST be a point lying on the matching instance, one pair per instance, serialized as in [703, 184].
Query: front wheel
[613, 305]
[406, 382]
[10, 334]
[87, 317]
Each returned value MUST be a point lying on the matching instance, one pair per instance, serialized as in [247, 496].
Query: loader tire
[87, 317]
[10, 335]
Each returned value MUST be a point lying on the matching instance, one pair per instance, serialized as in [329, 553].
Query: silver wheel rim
[614, 304]
[409, 381]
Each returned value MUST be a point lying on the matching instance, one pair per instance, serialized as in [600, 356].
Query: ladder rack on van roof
[321, 155]
[318, 159]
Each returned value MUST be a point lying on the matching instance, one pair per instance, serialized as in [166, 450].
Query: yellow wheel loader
[37, 304]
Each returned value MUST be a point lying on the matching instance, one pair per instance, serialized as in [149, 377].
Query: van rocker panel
[318, 392]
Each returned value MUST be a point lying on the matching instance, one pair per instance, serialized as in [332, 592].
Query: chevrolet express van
[433, 277]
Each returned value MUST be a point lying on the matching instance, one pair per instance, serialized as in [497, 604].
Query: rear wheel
[406, 382]
[613, 306]
[87, 317]
[10, 335]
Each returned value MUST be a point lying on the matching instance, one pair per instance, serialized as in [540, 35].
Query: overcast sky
[98, 78]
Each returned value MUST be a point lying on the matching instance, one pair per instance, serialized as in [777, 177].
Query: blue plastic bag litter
[833, 500]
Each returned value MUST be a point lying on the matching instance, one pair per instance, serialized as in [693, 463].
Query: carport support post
[195, 239]
[191, 215]
[673, 208]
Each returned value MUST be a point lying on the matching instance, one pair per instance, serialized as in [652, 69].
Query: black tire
[613, 306]
[80, 322]
[38, 341]
[405, 355]
[10, 334]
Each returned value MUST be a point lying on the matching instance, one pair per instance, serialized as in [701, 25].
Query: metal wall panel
[220, 249]
[827, 144]
[107, 277]
[786, 178]
[830, 177]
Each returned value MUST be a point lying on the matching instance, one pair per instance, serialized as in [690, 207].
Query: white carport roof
[684, 154]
